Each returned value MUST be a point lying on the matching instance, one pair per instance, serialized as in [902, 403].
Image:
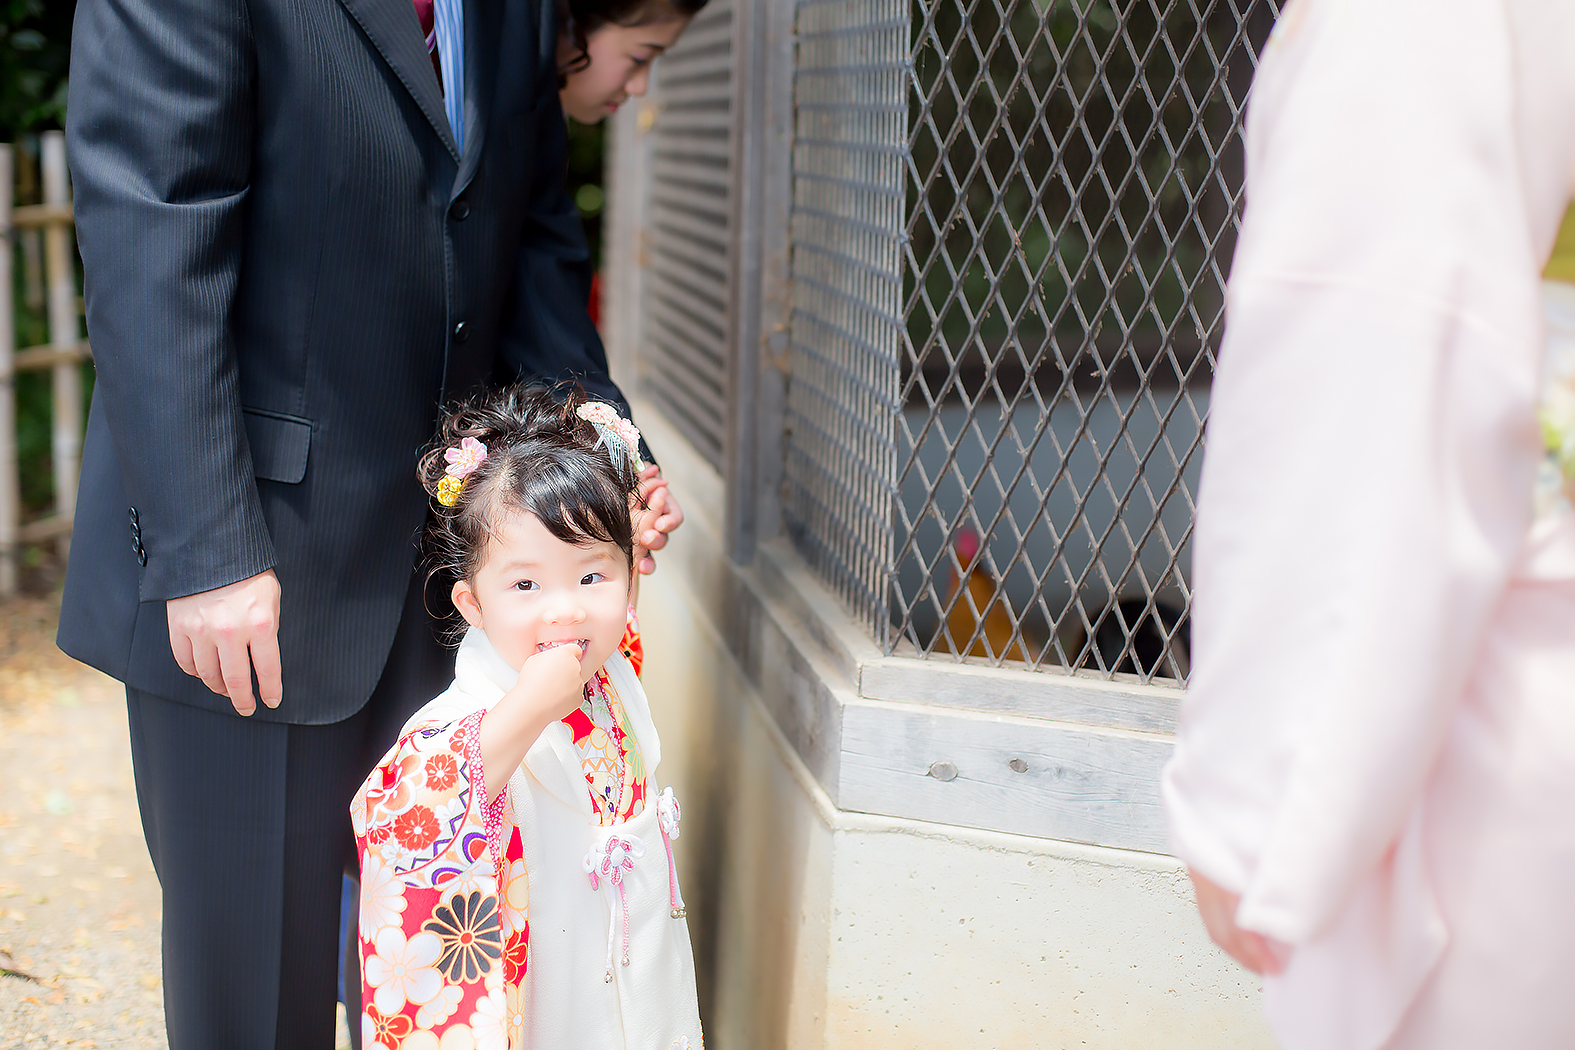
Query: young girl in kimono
[517, 879]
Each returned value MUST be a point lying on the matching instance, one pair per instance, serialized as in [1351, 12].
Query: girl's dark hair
[542, 459]
[578, 19]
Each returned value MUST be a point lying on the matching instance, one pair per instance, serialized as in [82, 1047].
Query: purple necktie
[428, 19]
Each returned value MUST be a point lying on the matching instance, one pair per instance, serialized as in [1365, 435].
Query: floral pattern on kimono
[632, 648]
[444, 928]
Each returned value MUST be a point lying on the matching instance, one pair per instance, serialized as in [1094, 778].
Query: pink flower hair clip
[621, 437]
[463, 459]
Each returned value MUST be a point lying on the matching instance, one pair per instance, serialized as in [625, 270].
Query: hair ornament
[463, 459]
[621, 437]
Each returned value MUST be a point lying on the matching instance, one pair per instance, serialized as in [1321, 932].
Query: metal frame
[759, 300]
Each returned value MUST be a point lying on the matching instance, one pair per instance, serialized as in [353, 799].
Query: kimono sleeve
[434, 941]
[1371, 455]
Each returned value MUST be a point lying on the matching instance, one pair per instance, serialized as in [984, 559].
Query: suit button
[461, 332]
[133, 515]
[459, 211]
[142, 557]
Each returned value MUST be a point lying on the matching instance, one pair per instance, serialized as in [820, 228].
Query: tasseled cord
[615, 857]
[668, 813]
[611, 861]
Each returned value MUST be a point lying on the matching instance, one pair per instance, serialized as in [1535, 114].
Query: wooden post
[10, 497]
[64, 335]
[25, 170]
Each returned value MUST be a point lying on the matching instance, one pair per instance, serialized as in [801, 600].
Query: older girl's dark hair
[542, 459]
[578, 19]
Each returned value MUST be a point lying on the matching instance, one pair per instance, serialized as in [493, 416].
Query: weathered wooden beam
[65, 332]
[36, 215]
[44, 529]
[48, 355]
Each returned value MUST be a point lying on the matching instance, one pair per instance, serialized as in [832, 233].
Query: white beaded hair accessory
[621, 437]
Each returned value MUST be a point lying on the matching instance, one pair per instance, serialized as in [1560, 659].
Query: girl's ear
[464, 597]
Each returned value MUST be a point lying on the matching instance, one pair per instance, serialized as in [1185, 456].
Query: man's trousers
[248, 825]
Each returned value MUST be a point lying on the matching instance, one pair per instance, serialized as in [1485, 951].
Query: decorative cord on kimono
[611, 861]
[491, 808]
[667, 815]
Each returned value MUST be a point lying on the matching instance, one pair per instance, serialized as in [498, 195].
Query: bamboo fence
[62, 355]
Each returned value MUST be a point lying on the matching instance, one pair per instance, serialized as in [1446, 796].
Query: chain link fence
[1012, 224]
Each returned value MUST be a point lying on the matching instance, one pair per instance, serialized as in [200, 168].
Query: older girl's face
[620, 66]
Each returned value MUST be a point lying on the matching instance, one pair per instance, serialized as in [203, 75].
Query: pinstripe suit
[289, 266]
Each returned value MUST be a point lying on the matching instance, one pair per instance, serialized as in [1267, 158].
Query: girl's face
[620, 66]
[534, 592]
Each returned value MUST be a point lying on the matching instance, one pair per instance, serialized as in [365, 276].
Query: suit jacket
[288, 268]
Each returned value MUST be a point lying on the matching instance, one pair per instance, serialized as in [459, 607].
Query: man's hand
[220, 635]
[1260, 954]
[660, 516]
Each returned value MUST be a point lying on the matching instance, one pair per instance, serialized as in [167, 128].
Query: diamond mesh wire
[1070, 191]
[683, 359]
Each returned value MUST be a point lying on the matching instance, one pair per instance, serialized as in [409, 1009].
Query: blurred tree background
[587, 146]
[35, 47]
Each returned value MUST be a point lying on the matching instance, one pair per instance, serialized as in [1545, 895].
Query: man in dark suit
[303, 228]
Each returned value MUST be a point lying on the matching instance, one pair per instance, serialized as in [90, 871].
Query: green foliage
[586, 146]
[35, 50]
[1065, 181]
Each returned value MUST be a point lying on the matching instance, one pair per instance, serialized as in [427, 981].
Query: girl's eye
[526, 585]
[590, 578]
[640, 62]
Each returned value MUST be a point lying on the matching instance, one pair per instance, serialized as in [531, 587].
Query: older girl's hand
[661, 515]
[1260, 954]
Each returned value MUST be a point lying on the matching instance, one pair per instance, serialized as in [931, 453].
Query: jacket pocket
[279, 444]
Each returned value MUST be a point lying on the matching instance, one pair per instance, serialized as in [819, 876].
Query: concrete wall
[816, 927]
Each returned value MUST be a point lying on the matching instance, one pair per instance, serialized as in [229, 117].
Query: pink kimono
[1377, 750]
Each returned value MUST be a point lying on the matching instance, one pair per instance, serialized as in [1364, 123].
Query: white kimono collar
[481, 677]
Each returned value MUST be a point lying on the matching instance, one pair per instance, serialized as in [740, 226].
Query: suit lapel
[482, 23]
[392, 27]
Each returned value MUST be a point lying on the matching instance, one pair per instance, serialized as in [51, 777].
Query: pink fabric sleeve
[1371, 452]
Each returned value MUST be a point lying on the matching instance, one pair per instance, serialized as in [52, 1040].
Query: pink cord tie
[611, 861]
[668, 813]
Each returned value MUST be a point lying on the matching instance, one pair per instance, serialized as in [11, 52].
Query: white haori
[650, 1001]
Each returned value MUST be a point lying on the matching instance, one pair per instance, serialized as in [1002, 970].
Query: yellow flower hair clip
[463, 460]
[621, 437]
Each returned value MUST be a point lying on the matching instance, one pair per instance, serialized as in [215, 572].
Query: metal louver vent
[683, 360]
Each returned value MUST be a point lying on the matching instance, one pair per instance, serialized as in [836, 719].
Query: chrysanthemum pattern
[471, 935]
[445, 931]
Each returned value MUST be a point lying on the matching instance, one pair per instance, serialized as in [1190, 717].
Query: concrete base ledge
[842, 897]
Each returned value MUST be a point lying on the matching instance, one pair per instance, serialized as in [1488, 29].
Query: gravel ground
[79, 903]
